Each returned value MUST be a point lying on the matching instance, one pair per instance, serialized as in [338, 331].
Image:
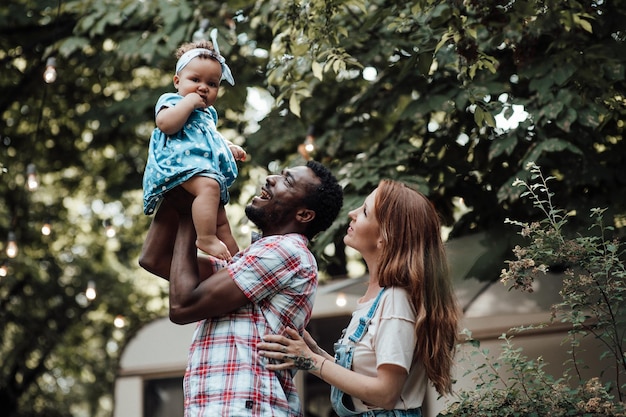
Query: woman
[403, 331]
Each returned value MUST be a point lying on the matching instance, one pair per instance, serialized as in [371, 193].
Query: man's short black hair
[326, 199]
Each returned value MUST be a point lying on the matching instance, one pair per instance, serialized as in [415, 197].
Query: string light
[12, 248]
[4, 269]
[90, 292]
[308, 141]
[109, 229]
[244, 226]
[341, 300]
[198, 35]
[308, 147]
[50, 74]
[119, 321]
[46, 229]
[32, 182]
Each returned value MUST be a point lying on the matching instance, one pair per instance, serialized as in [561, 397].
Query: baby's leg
[204, 212]
[223, 231]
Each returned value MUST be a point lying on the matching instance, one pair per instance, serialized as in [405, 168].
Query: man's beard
[264, 217]
[256, 216]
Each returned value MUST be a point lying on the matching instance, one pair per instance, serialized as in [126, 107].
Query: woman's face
[364, 231]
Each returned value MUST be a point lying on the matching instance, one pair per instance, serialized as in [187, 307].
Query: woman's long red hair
[413, 257]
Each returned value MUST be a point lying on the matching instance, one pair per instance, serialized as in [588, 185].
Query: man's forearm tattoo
[300, 362]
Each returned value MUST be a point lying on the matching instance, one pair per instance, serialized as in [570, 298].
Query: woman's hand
[292, 351]
[312, 344]
[289, 352]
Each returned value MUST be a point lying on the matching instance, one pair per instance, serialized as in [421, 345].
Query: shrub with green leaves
[592, 303]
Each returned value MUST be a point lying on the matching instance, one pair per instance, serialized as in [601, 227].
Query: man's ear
[305, 215]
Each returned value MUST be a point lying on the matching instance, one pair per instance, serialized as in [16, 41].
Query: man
[266, 288]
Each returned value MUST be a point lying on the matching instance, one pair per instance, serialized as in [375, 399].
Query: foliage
[593, 304]
[86, 134]
[513, 385]
[447, 76]
[446, 71]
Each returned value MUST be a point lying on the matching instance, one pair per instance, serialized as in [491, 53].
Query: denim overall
[342, 404]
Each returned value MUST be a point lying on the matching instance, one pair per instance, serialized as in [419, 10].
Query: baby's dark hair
[204, 44]
[326, 199]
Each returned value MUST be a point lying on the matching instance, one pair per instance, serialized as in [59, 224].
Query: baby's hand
[196, 100]
[238, 153]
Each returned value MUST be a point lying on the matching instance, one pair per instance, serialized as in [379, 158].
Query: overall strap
[364, 321]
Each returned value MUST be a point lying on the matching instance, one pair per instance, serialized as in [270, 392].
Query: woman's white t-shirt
[389, 339]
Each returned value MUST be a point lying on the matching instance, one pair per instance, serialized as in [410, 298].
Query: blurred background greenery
[452, 97]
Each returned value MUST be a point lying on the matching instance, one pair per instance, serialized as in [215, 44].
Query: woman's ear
[305, 215]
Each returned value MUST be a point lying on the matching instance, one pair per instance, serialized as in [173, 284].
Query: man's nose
[271, 179]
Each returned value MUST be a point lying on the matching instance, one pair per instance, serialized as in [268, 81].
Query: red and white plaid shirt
[225, 376]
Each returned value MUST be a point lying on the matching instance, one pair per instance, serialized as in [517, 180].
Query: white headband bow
[193, 53]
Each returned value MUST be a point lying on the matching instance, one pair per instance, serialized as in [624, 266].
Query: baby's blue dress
[197, 149]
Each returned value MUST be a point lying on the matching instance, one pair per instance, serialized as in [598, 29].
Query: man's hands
[180, 200]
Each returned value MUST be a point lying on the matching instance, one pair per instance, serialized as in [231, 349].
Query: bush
[593, 304]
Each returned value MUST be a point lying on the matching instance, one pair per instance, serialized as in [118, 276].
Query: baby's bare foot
[211, 245]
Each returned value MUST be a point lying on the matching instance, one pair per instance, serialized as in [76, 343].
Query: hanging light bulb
[90, 292]
[119, 321]
[308, 144]
[244, 227]
[198, 35]
[109, 229]
[11, 246]
[50, 74]
[32, 182]
[4, 269]
[309, 139]
[308, 147]
[46, 229]
[341, 300]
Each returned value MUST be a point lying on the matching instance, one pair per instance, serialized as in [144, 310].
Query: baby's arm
[238, 153]
[171, 119]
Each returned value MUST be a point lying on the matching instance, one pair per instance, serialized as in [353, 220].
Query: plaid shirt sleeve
[279, 274]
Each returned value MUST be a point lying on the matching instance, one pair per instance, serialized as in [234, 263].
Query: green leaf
[294, 104]
[318, 70]
[551, 110]
[583, 23]
[502, 144]
[565, 121]
[72, 44]
[563, 73]
[489, 119]
[590, 117]
[549, 146]
[479, 116]
[542, 86]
